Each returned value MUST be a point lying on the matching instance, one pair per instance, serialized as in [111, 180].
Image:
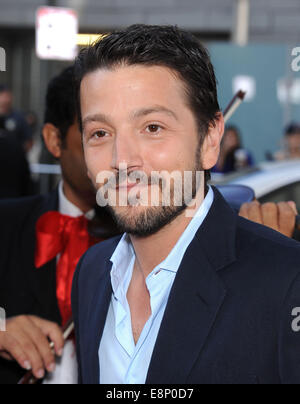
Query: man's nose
[126, 151]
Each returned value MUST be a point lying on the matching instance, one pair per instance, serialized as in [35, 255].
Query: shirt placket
[158, 286]
[123, 330]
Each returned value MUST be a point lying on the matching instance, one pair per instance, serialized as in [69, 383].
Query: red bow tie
[57, 234]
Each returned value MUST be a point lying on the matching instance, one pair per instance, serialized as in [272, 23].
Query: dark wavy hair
[166, 46]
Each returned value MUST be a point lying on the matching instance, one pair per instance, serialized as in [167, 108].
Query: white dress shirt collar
[68, 208]
[124, 255]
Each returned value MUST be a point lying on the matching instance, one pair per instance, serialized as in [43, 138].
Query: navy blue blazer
[229, 315]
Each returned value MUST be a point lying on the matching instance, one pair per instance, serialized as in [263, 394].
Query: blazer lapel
[196, 298]
[96, 318]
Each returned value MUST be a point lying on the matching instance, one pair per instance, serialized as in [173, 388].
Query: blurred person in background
[35, 151]
[33, 122]
[41, 240]
[233, 156]
[14, 121]
[15, 180]
[292, 143]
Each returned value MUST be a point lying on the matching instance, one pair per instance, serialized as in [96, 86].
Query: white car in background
[271, 181]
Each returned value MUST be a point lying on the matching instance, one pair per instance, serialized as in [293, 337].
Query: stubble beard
[145, 221]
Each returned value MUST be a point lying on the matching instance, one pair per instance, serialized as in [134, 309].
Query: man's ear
[212, 142]
[52, 140]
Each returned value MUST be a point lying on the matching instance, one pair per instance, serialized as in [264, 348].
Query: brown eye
[153, 128]
[99, 134]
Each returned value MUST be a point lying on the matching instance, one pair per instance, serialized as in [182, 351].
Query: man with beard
[177, 299]
[42, 239]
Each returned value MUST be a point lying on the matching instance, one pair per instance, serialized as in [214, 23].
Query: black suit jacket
[229, 315]
[15, 178]
[23, 288]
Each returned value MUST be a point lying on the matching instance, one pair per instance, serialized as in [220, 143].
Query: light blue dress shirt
[121, 361]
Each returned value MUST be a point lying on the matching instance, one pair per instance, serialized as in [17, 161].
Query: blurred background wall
[263, 117]
[274, 29]
[271, 20]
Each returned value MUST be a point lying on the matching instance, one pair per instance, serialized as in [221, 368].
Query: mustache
[133, 177]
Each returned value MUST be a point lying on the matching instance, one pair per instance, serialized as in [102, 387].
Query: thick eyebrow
[135, 115]
[157, 108]
[96, 118]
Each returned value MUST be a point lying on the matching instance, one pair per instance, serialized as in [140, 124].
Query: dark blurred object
[269, 156]
[292, 136]
[103, 226]
[291, 143]
[296, 235]
[15, 178]
[292, 129]
[14, 121]
[32, 121]
[236, 195]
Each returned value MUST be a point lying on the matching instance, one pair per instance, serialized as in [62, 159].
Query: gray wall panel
[271, 20]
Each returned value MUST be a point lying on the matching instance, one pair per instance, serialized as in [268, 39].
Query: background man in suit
[207, 299]
[35, 295]
[15, 178]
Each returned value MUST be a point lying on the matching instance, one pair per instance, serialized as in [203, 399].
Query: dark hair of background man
[60, 109]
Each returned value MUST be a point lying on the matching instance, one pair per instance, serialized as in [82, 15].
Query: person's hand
[26, 340]
[280, 217]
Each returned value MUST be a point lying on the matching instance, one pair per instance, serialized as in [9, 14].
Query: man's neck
[151, 251]
[76, 200]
